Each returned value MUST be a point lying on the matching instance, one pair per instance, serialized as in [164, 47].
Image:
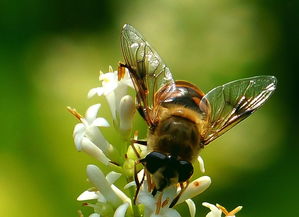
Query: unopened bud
[126, 114]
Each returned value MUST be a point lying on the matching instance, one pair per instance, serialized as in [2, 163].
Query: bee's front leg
[176, 199]
[140, 142]
[138, 184]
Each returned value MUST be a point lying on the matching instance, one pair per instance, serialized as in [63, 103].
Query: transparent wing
[232, 102]
[147, 70]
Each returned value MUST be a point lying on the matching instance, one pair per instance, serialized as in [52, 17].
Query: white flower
[113, 89]
[107, 194]
[217, 210]
[88, 137]
[150, 209]
[150, 205]
[89, 128]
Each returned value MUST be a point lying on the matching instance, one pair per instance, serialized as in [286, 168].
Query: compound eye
[185, 170]
[153, 161]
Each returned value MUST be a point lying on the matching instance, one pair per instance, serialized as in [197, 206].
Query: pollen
[231, 213]
[196, 184]
[74, 112]
[165, 202]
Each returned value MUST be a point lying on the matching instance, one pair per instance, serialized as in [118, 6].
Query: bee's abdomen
[176, 136]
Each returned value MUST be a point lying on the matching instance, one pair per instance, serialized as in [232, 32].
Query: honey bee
[181, 119]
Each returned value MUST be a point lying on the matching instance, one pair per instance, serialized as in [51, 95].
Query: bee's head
[167, 169]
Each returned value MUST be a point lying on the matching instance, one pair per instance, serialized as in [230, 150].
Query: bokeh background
[50, 56]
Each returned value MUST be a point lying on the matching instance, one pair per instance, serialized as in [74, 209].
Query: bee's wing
[232, 102]
[147, 70]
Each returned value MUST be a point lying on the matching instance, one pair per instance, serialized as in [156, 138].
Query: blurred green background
[50, 56]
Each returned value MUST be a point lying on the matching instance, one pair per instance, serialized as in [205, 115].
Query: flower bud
[96, 177]
[195, 188]
[88, 147]
[126, 114]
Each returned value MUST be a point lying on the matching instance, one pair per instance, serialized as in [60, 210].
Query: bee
[181, 119]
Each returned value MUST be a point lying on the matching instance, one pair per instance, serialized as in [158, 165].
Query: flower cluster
[109, 198]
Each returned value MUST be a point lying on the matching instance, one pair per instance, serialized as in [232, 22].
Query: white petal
[78, 129]
[212, 207]
[147, 200]
[112, 177]
[90, 148]
[215, 212]
[101, 197]
[130, 184]
[109, 87]
[126, 112]
[121, 194]
[101, 122]
[96, 176]
[141, 174]
[196, 187]
[191, 206]
[201, 164]
[167, 212]
[128, 82]
[170, 192]
[95, 215]
[111, 102]
[78, 141]
[95, 135]
[107, 77]
[127, 79]
[121, 210]
[99, 91]
[119, 93]
[109, 82]
[87, 195]
[91, 113]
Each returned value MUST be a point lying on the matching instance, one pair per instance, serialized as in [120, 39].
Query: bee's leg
[159, 203]
[175, 200]
[135, 140]
[140, 142]
[150, 184]
[138, 184]
[134, 149]
[154, 192]
[141, 111]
